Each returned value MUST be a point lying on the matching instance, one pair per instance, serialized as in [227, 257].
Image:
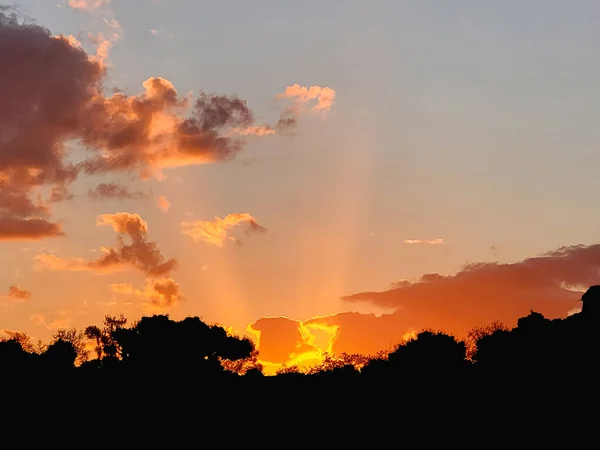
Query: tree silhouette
[12, 355]
[105, 345]
[192, 345]
[475, 334]
[60, 355]
[77, 339]
[244, 365]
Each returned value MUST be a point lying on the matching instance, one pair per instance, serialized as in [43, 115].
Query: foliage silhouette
[490, 357]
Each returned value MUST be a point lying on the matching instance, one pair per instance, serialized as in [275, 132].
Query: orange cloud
[140, 254]
[163, 203]
[481, 293]
[125, 223]
[113, 190]
[282, 341]
[47, 261]
[324, 96]
[152, 134]
[104, 45]
[157, 295]
[437, 241]
[71, 40]
[215, 232]
[61, 322]
[286, 342]
[38, 319]
[17, 293]
[88, 5]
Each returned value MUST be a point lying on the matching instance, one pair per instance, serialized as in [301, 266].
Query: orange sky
[285, 205]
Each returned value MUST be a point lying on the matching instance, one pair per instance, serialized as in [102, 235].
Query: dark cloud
[113, 190]
[287, 121]
[44, 84]
[15, 229]
[52, 94]
[17, 293]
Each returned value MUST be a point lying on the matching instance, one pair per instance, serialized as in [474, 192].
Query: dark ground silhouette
[536, 348]
[496, 383]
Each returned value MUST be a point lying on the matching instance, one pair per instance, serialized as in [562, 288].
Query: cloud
[148, 132]
[88, 5]
[140, 254]
[113, 190]
[11, 334]
[17, 229]
[479, 294]
[260, 130]
[60, 322]
[105, 43]
[281, 340]
[37, 319]
[158, 293]
[160, 32]
[215, 232]
[53, 95]
[125, 223]
[436, 241]
[287, 122]
[483, 292]
[17, 293]
[284, 341]
[163, 203]
[34, 124]
[324, 97]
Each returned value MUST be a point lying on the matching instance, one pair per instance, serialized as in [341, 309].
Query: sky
[317, 175]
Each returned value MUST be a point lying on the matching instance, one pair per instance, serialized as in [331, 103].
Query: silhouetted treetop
[158, 340]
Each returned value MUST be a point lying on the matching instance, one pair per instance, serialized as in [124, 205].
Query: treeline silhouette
[191, 350]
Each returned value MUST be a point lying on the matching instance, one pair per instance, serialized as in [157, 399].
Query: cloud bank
[479, 294]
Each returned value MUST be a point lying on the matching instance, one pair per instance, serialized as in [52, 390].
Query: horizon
[319, 178]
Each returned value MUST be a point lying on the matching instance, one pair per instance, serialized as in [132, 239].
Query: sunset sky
[319, 175]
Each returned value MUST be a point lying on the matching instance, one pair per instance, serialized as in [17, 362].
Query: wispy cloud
[88, 5]
[436, 241]
[163, 203]
[113, 190]
[161, 32]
